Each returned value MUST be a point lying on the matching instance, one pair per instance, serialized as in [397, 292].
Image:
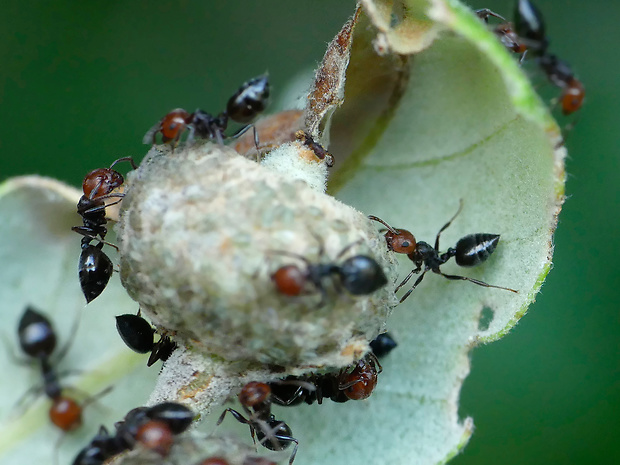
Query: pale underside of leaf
[39, 253]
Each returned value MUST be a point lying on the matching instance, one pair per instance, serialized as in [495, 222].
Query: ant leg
[348, 247]
[15, 358]
[484, 14]
[129, 159]
[408, 293]
[445, 226]
[289, 254]
[475, 281]
[95, 397]
[87, 232]
[379, 220]
[74, 327]
[406, 280]
[17, 409]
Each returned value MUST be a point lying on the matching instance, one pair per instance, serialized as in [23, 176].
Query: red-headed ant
[470, 250]
[530, 26]
[249, 100]
[505, 32]
[153, 428]
[37, 339]
[137, 334]
[94, 266]
[355, 382]
[359, 275]
[255, 398]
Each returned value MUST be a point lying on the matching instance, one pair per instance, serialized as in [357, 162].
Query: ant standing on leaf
[245, 104]
[470, 250]
[37, 339]
[94, 266]
[255, 398]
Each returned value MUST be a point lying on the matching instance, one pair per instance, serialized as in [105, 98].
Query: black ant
[359, 275]
[153, 428]
[249, 100]
[470, 250]
[530, 26]
[37, 340]
[383, 344]
[94, 266]
[505, 32]
[356, 382]
[255, 398]
[137, 334]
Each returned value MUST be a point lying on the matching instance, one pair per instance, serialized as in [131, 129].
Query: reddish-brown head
[66, 413]
[101, 182]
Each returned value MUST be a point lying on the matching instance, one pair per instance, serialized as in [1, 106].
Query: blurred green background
[80, 83]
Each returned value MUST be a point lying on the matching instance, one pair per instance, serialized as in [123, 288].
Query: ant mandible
[470, 250]
[359, 275]
[94, 266]
[255, 398]
[245, 104]
[37, 339]
[137, 334]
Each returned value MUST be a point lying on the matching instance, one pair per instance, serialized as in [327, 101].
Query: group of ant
[154, 427]
[527, 37]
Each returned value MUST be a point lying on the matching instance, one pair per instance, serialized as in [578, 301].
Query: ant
[351, 383]
[94, 266]
[470, 250]
[37, 339]
[137, 334]
[153, 428]
[245, 104]
[383, 344]
[315, 147]
[255, 398]
[530, 26]
[505, 32]
[359, 275]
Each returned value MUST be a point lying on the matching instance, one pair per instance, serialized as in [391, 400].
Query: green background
[80, 83]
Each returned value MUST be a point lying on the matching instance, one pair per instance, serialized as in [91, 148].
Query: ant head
[289, 280]
[249, 100]
[36, 334]
[400, 241]
[136, 333]
[361, 381]
[572, 96]
[173, 124]
[155, 435]
[254, 394]
[101, 182]
[66, 413]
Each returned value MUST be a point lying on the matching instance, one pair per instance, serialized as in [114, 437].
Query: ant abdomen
[474, 249]
[94, 270]
[250, 100]
[36, 335]
[361, 275]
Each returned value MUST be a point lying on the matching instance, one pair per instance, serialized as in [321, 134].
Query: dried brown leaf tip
[328, 91]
